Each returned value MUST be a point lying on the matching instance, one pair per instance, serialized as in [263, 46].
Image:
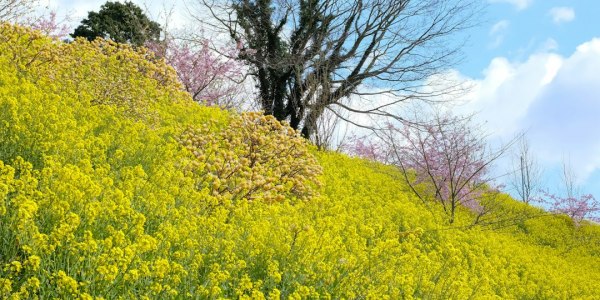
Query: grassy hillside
[113, 183]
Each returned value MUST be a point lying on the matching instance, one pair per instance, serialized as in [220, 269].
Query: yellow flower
[5, 286]
[33, 283]
[108, 272]
[66, 283]
[132, 275]
[156, 288]
[14, 267]
[85, 296]
[161, 268]
[33, 262]
[273, 270]
[274, 294]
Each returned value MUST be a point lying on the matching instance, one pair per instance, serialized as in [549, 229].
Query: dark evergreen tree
[120, 22]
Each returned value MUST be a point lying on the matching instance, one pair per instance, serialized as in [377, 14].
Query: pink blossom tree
[573, 203]
[578, 208]
[211, 78]
[49, 25]
[448, 160]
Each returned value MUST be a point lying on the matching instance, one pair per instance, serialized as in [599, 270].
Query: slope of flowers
[113, 183]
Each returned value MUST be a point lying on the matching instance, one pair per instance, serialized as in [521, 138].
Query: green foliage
[102, 195]
[120, 22]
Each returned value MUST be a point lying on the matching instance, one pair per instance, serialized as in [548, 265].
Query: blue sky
[534, 65]
[516, 29]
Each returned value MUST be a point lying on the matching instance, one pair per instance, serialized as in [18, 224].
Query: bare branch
[13, 10]
[307, 55]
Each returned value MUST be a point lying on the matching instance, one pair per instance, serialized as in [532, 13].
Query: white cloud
[565, 115]
[562, 14]
[504, 95]
[497, 32]
[519, 4]
[553, 98]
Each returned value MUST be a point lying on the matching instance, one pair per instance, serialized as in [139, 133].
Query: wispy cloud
[519, 4]
[499, 26]
[497, 32]
[562, 14]
[548, 45]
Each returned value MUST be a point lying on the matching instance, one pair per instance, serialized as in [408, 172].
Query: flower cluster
[577, 207]
[254, 158]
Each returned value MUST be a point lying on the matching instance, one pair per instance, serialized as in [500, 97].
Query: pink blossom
[50, 26]
[210, 78]
[367, 148]
[577, 208]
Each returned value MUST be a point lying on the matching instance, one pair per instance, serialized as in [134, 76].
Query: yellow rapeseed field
[114, 184]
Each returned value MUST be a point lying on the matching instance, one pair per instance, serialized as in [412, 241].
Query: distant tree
[576, 205]
[527, 175]
[310, 55]
[120, 22]
[449, 157]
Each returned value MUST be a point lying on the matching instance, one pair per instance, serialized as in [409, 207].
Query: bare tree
[12, 10]
[527, 176]
[308, 55]
[569, 179]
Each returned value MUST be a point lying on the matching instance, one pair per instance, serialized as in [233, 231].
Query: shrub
[254, 158]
